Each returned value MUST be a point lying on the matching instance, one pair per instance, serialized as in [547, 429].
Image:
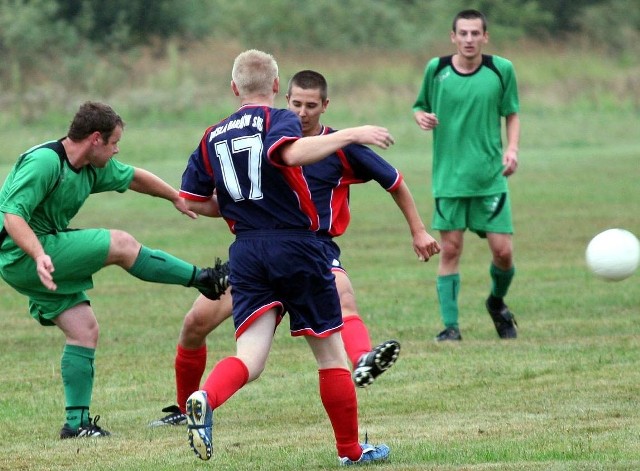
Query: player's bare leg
[227, 377]
[190, 362]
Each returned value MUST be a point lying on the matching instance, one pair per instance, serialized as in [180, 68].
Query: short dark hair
[470, 15]
[91, 117]
[307, 79]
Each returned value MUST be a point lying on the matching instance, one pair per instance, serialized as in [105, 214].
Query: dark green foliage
[124, 22]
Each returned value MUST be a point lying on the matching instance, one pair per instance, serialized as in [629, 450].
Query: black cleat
[92, 429]
[504, 321]
[450, 333]
[174, 417]
[377, 361]
[213, 282]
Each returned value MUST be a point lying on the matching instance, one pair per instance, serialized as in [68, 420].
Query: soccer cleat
[377, 361]
[370, 454]
[174, 417]
[213, 282]
[450, 333]
[504, 321]
[200, 425]
[92, 429]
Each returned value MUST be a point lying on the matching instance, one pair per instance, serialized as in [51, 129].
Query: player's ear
[234, 88]
[96, 138]
[276, 85]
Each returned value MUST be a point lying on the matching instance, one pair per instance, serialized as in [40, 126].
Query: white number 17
[253, 146]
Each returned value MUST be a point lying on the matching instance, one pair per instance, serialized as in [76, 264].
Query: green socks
[448, 287]
[501, 280]
[160, 267]
[76, 367]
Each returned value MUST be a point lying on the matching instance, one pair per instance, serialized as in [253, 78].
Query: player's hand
[373, 135]
[510, 162]
[181, 205]
[45, 268]
[425, 246]
[426, 121]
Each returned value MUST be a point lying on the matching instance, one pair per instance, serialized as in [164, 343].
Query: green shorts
[76, 255]
[480, 214]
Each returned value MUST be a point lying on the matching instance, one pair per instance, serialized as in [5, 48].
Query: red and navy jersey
[329, 181]
[239, 158]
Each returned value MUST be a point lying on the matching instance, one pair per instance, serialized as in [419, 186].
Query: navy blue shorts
[332, 253]
[287, 270]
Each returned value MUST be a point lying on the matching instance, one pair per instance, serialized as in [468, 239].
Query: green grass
[563, 396]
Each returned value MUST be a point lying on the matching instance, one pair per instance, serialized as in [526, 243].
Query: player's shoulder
[49, 147]
[114, 163]
[50, 153]
[439, 62]
[279, 113]
[500, 62]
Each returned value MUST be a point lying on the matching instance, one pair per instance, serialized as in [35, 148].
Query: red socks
[338, 396]
[228, 376]
[356, 338]
[189, 366]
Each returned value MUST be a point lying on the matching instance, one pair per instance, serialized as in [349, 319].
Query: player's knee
[123, 247]
[502, 257]
[86, 336]
[255, 367]
[450, 254]
[255, 372]
[123, 241]
[194, 330]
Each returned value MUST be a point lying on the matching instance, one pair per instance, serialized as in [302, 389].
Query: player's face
[103, 151]
[469, 37]
[308, 105]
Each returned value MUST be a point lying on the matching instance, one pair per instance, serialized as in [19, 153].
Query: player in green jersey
[463, 99]
[41, 258]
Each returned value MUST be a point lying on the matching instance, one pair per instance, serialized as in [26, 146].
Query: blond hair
[254, 72]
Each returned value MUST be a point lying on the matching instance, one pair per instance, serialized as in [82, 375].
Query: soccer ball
[613, 254]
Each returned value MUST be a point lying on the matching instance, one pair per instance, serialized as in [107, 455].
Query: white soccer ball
[613, 254]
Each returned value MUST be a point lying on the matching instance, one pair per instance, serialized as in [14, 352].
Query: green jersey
[47, 192]
[467, 142]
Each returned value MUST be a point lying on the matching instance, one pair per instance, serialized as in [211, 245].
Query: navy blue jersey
[329, 181]
[239, 158]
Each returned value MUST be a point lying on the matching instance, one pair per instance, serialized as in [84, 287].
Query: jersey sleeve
[510, 100]
[29, 182]
[284, 127]
[115, 176]
[423, 101]
[366, 165]
[198, 179]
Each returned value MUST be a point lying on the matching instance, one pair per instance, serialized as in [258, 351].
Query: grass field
[563, 396]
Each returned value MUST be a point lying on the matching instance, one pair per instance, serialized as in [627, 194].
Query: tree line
[55, 40]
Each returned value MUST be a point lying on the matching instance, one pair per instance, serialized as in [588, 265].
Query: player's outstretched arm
[208, 208]
[308, 150]
[424, 245]
[149, 184]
